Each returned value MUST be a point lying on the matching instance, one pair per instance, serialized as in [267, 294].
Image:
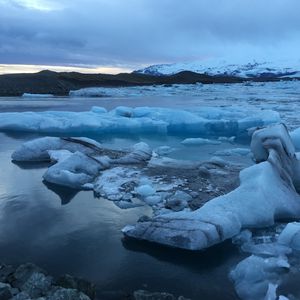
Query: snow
[203, 121]
[222, 67]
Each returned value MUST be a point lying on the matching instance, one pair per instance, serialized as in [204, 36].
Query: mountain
[48, 82]
[254, 69]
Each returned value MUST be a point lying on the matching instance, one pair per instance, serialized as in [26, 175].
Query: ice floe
[203, 121]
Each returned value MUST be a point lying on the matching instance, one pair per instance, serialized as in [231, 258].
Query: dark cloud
[134, 32]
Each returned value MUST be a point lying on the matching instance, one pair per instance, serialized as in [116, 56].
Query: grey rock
[70, 282]
[67, 294]
[145, 295]
[5, 272]
[5, 291]
[178, 201]
[21, 296]
[37, 285]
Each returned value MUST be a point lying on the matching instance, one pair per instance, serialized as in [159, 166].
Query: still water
[66, 231]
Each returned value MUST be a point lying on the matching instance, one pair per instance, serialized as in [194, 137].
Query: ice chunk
[38, 149]
[200, 141]
[141, 152]
[290, 236]
[257, 278]
[28, 95]
[75, 171]
[145, 190]
[266, 193]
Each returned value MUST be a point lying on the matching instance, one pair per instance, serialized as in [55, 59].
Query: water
[78, 234]
[72, 232]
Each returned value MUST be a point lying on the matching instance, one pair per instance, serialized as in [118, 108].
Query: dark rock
[5, 272]
[21, 296]
[67, 294]
[31, 279]
[5, 291]
[70, 282]
[145, 295]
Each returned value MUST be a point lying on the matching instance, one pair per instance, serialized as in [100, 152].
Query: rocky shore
[30, 282]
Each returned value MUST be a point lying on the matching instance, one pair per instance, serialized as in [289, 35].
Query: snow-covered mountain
[223, 68]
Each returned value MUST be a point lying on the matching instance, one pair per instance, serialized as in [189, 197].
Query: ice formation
[204, 121]
[267, 186]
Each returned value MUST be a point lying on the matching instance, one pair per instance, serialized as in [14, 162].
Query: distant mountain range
[48, 82]
[279, 69]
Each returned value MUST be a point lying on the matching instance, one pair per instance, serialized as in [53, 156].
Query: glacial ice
[75, 171]
[28, 95]
[290, 236]
[267, 186]
[38, 149]
[257, 278]
[203, 121]
[200, 141]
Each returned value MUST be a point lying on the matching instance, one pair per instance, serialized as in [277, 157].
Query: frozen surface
[203, 121]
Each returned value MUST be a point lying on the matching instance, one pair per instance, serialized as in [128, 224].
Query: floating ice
[28, 95]
[200, 141]
[204, 121]
[290, 236]
[38, 149]
[75, 171]
[257, 278]
[266, 193]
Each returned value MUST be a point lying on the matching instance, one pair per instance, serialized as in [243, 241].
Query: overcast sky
[128, 34]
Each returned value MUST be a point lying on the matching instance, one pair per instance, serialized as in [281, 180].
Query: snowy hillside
[222, 67]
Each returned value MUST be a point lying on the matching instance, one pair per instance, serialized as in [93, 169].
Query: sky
[113, 36]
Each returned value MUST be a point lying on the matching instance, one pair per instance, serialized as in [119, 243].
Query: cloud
[139, 32]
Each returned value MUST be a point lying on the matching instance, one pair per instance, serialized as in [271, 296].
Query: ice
[141, 152]
[266, 193]
[295, 135]
[145, 190]
[203, 121]
[200, 141]
[28, 95]
[75, 171]
[233, 152]
[257, 278]
[290, 236]
[117, 183]
[38, 149]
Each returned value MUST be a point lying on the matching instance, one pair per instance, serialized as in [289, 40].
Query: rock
[5, 272]
[21, 296]
[145, 295]
[31, 279]
[70, 282]
[37, 285]
[178, 201]
[5, 291]
[67, 294]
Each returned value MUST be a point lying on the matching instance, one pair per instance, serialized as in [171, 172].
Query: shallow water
[70, 232]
